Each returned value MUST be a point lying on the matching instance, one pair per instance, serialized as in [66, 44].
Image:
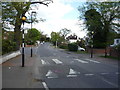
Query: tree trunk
[106, 28]
[17, 33]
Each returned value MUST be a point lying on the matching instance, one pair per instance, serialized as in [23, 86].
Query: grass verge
[111, 57]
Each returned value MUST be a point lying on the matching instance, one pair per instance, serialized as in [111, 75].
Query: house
[116, 42]
[72, 38]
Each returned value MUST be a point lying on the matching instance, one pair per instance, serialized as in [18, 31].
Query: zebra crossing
[70, 72]
[57, 61]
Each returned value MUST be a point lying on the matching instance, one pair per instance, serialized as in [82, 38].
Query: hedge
[72, 47]
[8, 46]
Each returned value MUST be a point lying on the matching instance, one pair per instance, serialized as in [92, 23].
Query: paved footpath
[15, 76]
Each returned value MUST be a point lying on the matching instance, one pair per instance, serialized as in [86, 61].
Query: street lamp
[92, 45]
[23, 44]
[31, 29]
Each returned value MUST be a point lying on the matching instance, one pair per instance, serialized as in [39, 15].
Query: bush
[63, 46]
[8, 46]
[30, 42]
[72, 47]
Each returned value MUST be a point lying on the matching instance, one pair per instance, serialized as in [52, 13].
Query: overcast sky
[60, 14]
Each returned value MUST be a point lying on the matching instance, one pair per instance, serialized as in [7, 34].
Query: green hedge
[8, 46]
[63, 46]
[72, 47]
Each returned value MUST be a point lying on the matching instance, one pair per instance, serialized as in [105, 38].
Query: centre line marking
[92, 60]
[81, 61]
[57, 61]
[89, 74]
[45, 86]
[71, 75]
[104, 73]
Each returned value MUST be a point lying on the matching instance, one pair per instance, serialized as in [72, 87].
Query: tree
[55, 36]
[33, 35]
[108, 13]
[94, 24]
[12, 13]
[64, 32]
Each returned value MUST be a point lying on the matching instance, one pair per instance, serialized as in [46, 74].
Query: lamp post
[23, 44]
[31, 28]
[92, 45]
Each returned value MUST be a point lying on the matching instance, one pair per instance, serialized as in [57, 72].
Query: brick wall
[113, 52]
[98, 51]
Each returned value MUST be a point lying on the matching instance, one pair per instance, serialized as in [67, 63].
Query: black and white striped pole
[23, 44]
[31, 28]
[92, 45]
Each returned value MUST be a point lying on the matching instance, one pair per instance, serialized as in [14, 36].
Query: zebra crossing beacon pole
[33, 12]
[92, 45]
[23, 44]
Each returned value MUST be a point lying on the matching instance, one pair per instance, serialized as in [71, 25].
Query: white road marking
[71, 75]
[92, 60]
[89, 74]
[45, 86]
[52, 77]
[104, 73]
[81, 61]
[109, 83]
[9, 67]
[57, 61]
[117, 73]
[73, 72]
[43, 62]
[51, 74]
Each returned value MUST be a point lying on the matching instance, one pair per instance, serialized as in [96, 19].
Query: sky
[59, 14]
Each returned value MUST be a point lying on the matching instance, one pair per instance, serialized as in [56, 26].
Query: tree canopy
[102, 18]
[33, 35]
[12, 13]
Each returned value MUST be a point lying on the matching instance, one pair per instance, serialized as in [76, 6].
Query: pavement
[56, 68]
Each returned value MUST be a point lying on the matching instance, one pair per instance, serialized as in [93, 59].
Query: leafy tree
[64, 32]
[33, 35]
[55, 37]
[12, 13]
[102, 18]
[43, 37]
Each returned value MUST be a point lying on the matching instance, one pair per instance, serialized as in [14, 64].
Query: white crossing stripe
[43, 62]
[92, 60]
[57, 61]
[81, 61]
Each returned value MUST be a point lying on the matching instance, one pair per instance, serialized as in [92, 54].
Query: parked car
[81, 49]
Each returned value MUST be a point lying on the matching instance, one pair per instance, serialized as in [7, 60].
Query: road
[56, 68]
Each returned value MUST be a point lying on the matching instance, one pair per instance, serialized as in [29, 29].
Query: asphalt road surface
[56, 68]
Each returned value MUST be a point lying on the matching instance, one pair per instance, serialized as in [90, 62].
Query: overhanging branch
[43, 2]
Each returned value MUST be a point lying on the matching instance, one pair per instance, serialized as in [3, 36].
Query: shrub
[63, 46]
[72, 47]
[8, 46]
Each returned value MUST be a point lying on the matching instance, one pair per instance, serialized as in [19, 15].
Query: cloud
[55, 15]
